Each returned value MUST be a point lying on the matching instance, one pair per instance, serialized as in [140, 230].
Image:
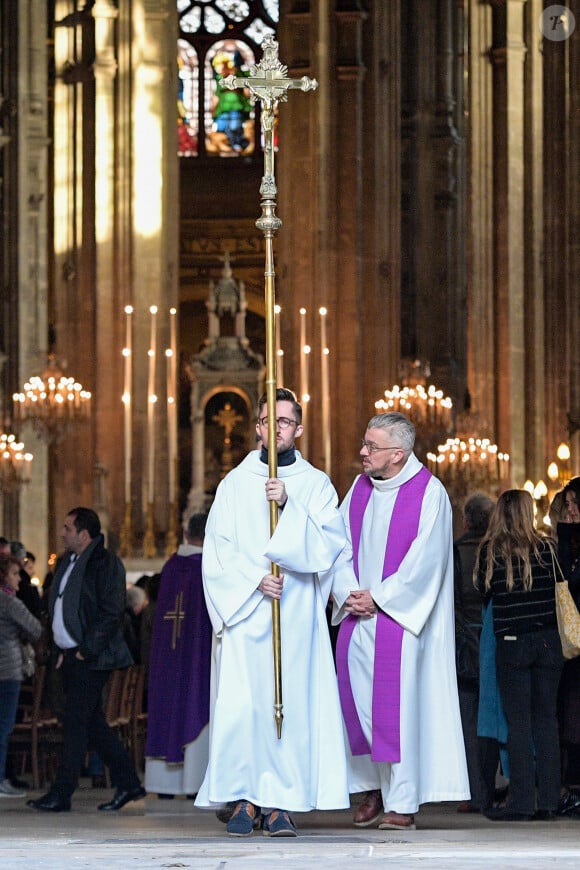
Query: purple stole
[386, 704]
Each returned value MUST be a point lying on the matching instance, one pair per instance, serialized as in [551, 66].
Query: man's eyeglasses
[282, 422]
[374, 448]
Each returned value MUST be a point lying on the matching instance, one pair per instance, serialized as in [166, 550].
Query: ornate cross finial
[268, 84]
[268, 81]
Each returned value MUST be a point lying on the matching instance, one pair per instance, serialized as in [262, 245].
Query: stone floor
[157, 833]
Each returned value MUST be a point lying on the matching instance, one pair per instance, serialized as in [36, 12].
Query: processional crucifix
[269, 84]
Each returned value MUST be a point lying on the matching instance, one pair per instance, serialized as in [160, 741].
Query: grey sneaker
[8, 790]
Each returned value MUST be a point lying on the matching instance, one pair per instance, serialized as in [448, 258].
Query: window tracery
[218, 38]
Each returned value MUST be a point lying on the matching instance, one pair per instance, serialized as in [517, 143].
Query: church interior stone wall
[429, 200]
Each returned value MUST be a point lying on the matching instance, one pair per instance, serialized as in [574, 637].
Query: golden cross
[227, 419]
[268, 83]
[177, 615]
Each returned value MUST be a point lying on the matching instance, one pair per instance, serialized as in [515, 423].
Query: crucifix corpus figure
[273, 531]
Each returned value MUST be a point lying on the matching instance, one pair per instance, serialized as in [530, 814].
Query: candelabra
[548, 498]
[52, 403]
[15, 463]
[467, 464]
[559, 473]
[427, 407]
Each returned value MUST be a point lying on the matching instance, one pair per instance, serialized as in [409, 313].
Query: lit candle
[171, 354]
[324, 352]
[304, 396]
[151, 400]
[127, 355]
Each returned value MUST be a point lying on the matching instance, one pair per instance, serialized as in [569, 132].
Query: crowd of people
[445, 678]
[519, 697]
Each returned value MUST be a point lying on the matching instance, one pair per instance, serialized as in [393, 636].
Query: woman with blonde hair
[515, 569]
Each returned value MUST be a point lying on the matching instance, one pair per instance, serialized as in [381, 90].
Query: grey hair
[135, 597]
[401, 426]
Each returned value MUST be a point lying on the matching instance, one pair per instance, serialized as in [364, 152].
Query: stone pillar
[155, 225]
[109, 322]
[561, 309]
[351, 264]
[573, 235]
[508, 58]
[434, 192]
[379, 348]
[534, 384]
[30, 242]
[480, 220]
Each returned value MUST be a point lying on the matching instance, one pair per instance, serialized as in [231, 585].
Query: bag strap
[555, 563]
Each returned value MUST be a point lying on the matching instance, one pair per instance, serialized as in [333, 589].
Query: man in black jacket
[87, 599]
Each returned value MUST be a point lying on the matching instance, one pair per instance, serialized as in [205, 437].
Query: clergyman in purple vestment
[393, 594]
[179, 675]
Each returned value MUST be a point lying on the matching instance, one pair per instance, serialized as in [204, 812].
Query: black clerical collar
[287, 457]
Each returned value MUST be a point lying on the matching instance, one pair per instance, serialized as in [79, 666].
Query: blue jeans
[9, 694]
[528, 673]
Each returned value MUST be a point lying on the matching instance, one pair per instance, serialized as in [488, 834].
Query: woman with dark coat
[515, 568]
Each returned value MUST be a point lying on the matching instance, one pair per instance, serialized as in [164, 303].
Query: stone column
[561, 308]
[380, 341]
[480, 219]
[109, 322]
[434, 192]
[155, 217]
[30, 242]
[534, 384]
[573, 211]
[508, 58]
[322, 145]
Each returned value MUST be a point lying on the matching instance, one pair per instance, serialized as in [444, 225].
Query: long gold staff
[269, 84]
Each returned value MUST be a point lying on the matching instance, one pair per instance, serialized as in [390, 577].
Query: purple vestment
[386, 704]
[179, 669]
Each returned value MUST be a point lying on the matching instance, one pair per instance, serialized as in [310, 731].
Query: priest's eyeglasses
[282, 422]
[374, 448]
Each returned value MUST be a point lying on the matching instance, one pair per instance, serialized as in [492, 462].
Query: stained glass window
[218, 38]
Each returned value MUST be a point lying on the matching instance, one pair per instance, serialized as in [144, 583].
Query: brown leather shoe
[370, 810]
[467, 807]
[397, 822]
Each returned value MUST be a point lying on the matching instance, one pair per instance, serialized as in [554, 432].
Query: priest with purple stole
[179, 673]
[393, 595]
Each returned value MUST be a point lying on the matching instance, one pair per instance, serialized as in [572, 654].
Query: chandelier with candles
[467, 464]
[52, 403]
[424, 404]
[463, 460]
[15, 463]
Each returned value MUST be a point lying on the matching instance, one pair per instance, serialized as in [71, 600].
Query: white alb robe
[419, 596]
[306, 768]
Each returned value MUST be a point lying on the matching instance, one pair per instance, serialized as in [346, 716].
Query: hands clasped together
[360, 603]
